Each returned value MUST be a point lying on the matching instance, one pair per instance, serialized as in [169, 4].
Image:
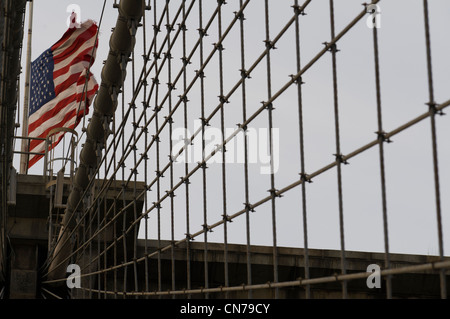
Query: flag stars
[42, 89]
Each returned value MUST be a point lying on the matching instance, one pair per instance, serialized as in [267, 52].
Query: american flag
[58, 87]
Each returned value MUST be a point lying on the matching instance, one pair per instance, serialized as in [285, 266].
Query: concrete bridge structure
[29, 235]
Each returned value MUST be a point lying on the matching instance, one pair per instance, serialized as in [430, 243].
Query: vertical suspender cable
[338, 151]
[382, 140]
[303, 175]
[432, 109]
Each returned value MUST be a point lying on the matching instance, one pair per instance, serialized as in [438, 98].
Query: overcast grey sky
[404, 91]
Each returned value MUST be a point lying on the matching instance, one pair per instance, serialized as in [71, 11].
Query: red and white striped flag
[61, 88]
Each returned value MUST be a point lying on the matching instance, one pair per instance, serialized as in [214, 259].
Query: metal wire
[110, 260]
[304, 177]
[432, 106]
[338, 155]
[246, 174]
[301, 282]
[382, 140]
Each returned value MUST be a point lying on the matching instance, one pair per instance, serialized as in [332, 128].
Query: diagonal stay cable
[130, 144]
[214, 112]
[438, 265]
[260, 58]
[105, 185]
[396, 131]
[121, 128]
[277, 94]
[360, 150]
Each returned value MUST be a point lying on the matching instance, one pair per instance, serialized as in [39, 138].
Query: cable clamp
[432, 106]
[305, 178]
[332, 47]
[382, 137]
[340, 159]
[297, 80]
[270, 45]
[299, 10]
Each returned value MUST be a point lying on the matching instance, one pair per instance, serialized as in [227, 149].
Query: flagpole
[25, 142]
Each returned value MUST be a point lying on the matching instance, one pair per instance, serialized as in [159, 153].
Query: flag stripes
[61, 87]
